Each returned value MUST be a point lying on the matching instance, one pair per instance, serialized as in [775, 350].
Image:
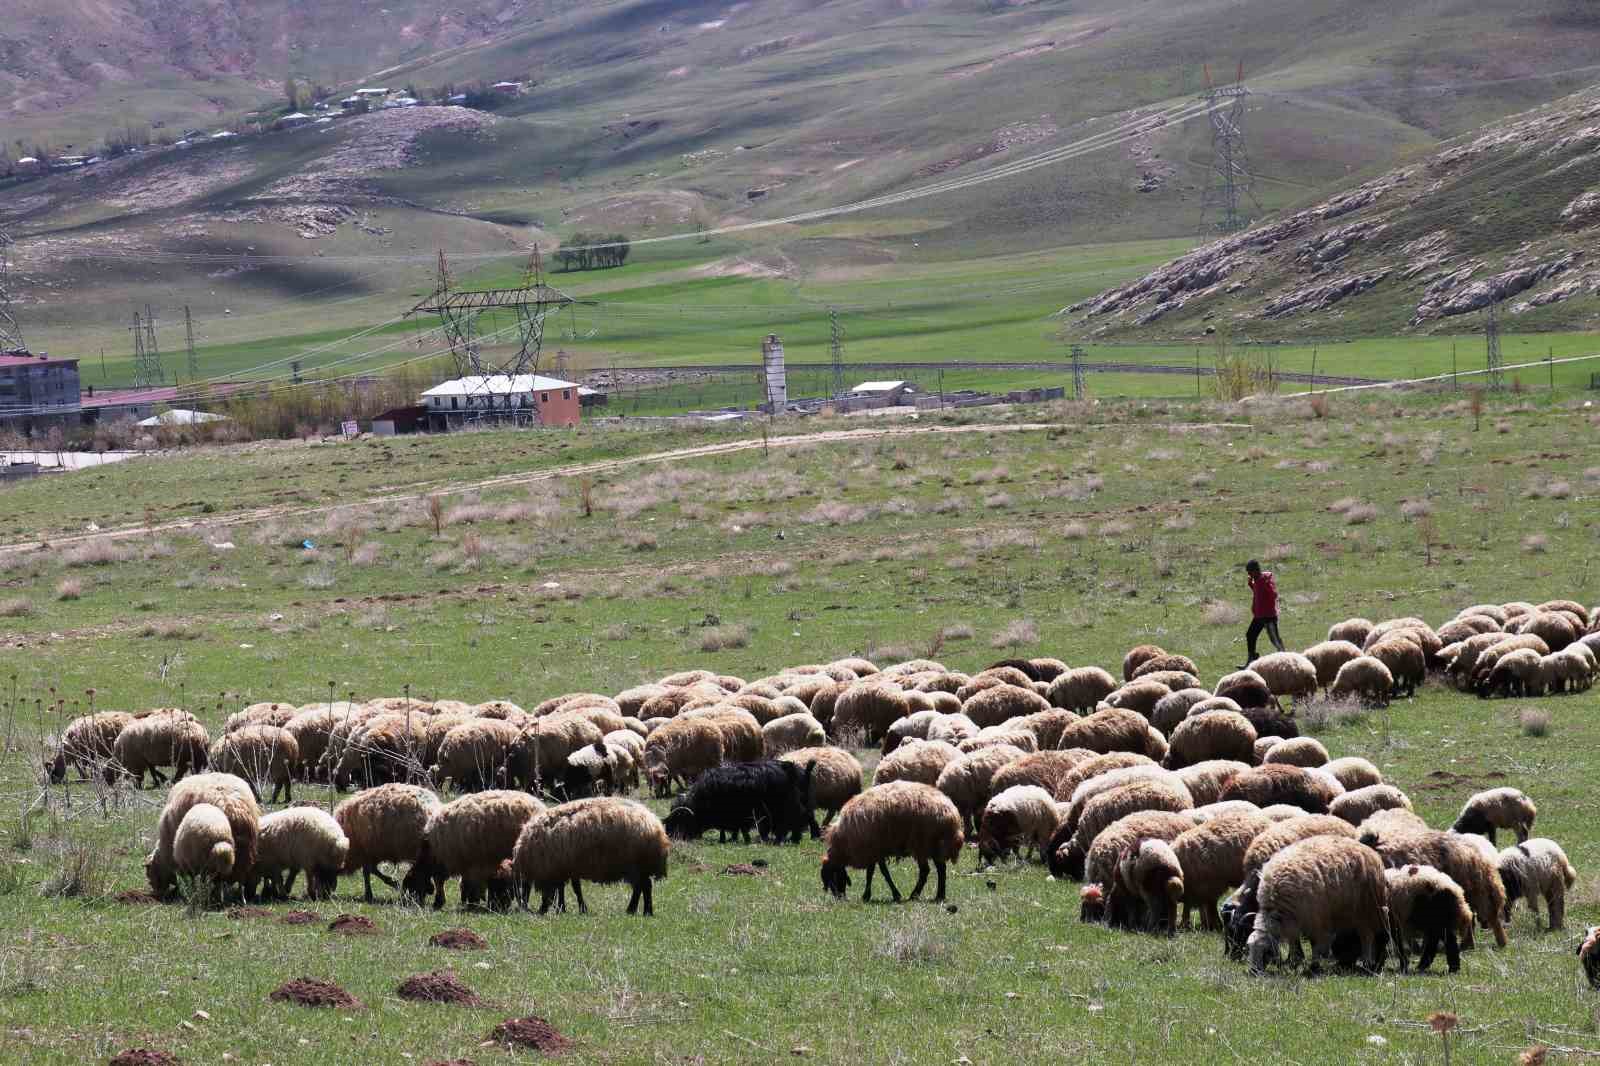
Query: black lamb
[1239, 915]
[769, 796]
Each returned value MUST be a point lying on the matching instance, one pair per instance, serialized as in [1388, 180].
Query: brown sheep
[1279, 783]
[1137, 657]
[1081, 689]
[901, 819]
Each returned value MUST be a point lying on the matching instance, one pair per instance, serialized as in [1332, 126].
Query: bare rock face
[1583, 211]
[1480, 294]
[1319, 297]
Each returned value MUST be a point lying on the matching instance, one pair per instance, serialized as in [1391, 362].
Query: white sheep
[602, 839]
[384, 824]
[1359, 804]
[1318, 888]
[1497, 808]
[916, 760]
[203, 844]
[301, 838]
[1021, 817]
[1535, 868]
[901, 819]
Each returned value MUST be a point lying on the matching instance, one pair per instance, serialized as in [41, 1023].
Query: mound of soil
[241, 913]
[299, 918]
[353, 925]
[742, 869]
[310, 992]
[139, 1056]
[530, 1032]
[458, 940]
[441, 986]
[135, 895]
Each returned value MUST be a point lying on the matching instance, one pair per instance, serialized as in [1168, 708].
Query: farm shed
[523, 399]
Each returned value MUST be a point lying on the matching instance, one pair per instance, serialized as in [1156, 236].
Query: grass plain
[1102, 528]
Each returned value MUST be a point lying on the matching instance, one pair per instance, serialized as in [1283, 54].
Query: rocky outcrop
[1502, 286]
[1318, 297]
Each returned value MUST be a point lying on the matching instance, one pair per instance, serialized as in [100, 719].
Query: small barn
[519, 399]
[886, 393]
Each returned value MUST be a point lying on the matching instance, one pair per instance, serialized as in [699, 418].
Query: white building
[520, 397]
[891, 393]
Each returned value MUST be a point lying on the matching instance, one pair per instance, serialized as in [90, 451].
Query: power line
[10, 332]
[188, 333]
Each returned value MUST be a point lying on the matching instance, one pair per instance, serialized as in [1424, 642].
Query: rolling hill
[654, 117]
[1505, 216]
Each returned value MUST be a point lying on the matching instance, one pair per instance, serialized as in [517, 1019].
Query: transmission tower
[146, 355]
[1229, 181]
[836, 344]
[194, 357]
[1491, 340]
[1078, 390]
[10, 332]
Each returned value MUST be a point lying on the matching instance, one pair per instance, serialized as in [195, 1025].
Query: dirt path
[264, 514]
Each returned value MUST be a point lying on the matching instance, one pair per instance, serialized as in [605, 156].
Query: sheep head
[683, 824]
[835, 878]
[1092, 905]
[1263, 949]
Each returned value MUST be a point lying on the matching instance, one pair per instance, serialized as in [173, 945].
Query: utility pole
[10, 332]
[1078, 391]
[188, 333]
[836, 344]
[1230, 167]
[1491, 340]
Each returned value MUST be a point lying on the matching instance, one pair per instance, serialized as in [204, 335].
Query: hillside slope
[1506, 216]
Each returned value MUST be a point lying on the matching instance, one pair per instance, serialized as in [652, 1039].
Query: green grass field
[1109, 528]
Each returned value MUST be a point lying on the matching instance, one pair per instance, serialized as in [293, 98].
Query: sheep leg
[1522, 833]
[866, 895]
[1556, 903]
[157, 778]
[1497, 929]
[938, 866]
[366, 879]
[288, 886]
[883, 865]
[816, 830]
[638, 891]
[577, 891]
[547, 896]
[1452, 949]
[922, 878]
[649, 896]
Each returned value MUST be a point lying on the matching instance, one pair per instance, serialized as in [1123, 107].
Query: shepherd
[1263, 608]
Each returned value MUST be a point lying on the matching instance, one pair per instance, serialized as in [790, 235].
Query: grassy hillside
[1504, 216]
[1077, 541]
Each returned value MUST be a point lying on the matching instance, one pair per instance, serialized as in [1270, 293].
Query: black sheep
[1589, 955]
[769, 795]
[1239, 915]
[1056, 857]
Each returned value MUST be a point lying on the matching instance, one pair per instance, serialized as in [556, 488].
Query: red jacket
[1263, 596]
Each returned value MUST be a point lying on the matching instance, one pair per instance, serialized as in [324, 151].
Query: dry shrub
[366, 553]
[1558, 490]
[1200, 480]
[472, 549]
[619, 631]
[318, 580]
[1535, 543]
[1320, 466]
[1221, 613]
[69, 589]
[1319, 406]
[467, 514]
[1017, 633]
[1320, 714]
[158, 549]
[435, 511]
[1533, 721]
[959, 562]
[443, 559]
[1278, 552]
[1360, 514]
[98, 552]
[1074, 531]
[1343, 504]
[167, 629]
[15, 607]
[960, 631]
[1502, 426]
[1117, 527]
[913, 941]
[720, 638]
[998, 501]
[1181, 521]
[641, 542]
[1415, 508]
[82, 872]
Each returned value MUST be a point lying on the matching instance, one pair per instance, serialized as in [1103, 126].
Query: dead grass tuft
[69, 589]
[1221, 613]
[1533, 721]
[1017, 633]
[1180, 521]
[1360, 514]
[15, 607]
[1415, 509]
[101, 551]
[1536, 544]
[721, 638]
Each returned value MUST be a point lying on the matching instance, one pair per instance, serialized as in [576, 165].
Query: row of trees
[593, 251]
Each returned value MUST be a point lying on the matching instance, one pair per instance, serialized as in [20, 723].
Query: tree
[291, 93]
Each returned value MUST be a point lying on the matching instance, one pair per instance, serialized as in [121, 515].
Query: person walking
[1263, 608]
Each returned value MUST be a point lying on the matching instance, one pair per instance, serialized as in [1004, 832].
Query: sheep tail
[1569, 874]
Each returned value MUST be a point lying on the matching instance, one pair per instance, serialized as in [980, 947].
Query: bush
[70, 589]
[719, 638]
[1221, 613]
[1018, 633]
[1533, 722]
[15, 607]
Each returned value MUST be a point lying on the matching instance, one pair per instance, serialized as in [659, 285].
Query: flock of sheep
[1151, 790]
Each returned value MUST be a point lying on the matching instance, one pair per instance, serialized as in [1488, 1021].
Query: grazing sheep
[1390, 824]
[869, 707]
[275, 714]
[966, 780]
[1115, 729]
[88, 743]
[296, 839]
[1080, 690]
[383, 749]
[602, 765]
[1212, 857]
[1426, 903]
[1169, 662]
[1005, 676]
[1140, 696]
[1022, 817]
[603, 840]
[1490, 657]
[952, 729]
[921, 761]
[1175, 680]
[1497, 808]
[1047, 769]
[384, 824]
[1460, 629]
[1152, 874]
[1046, 726]
[312, 730]
[680, 751]
[472, 837]
[631, 701]
[258, 753]
[1102, 783]
[1290, 831]
[1328, 656]
[203, 844]
[1359, 804]
[1279, 783]
[1454, 855]
[1405, 661]
[1300, 751]
[913, 726]
[1096, 765]
[1206, 780]
[770, 796]
[1572, 607]
[835, 781]
[1214, 703]
[793, 731]
[1105, 808]
[1491, 611]
[1353, 630]
[1137, 657]
[1287, 673]
[227, 793]
[1589, 956]
[1226, 809]
[1021, 739]
[900, 819]
[1535, 868]
[1364, 678]
[1246, 688]
[1422, 635]
[1174, 707]
[1116, 838]
[162, 739]
[1554, 628]
[1211, 735]
[1318, 888]
[1353, 772]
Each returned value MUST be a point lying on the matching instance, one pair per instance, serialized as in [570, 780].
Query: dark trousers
[1256, 626]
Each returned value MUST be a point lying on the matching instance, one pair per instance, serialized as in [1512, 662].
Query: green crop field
[970, 538]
